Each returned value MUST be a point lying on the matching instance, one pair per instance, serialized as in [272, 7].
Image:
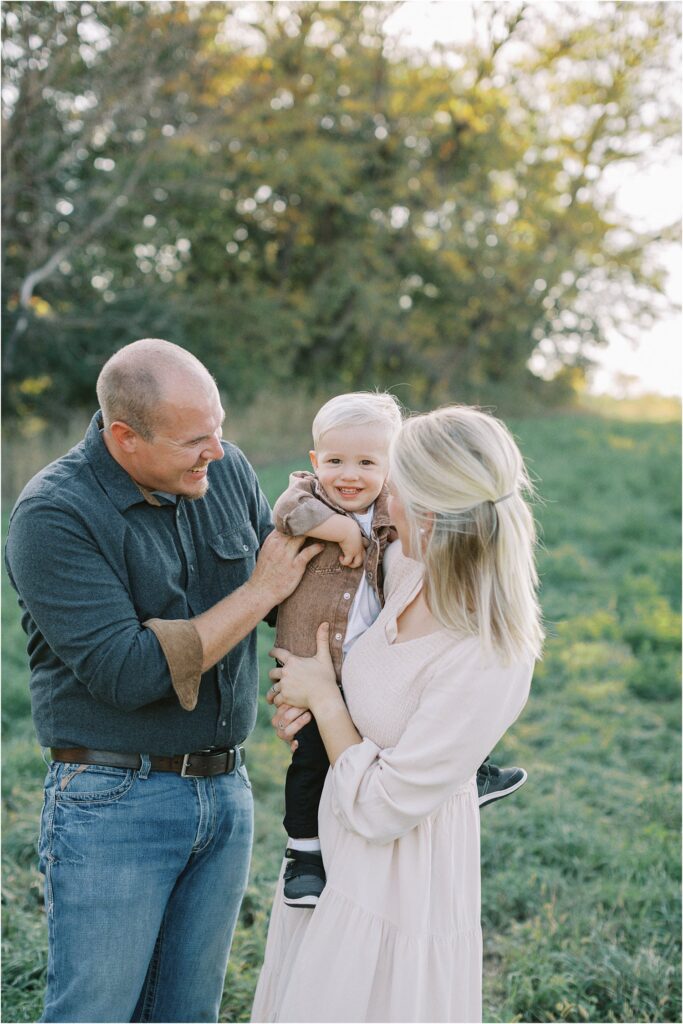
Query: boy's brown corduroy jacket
[327, 589]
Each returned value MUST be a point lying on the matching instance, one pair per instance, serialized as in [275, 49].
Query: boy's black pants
[304, 783]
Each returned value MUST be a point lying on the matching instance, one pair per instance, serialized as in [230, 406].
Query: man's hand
[280, 566]
[353, 548]
[287, 721]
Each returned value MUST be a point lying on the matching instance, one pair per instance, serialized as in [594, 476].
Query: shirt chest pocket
[327, 562]
[234, 555]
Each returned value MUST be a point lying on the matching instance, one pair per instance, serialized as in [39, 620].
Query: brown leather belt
[197, 765]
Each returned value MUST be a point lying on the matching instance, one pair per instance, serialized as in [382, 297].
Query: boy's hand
[353, 549]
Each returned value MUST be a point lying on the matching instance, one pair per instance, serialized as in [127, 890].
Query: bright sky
[652, 197]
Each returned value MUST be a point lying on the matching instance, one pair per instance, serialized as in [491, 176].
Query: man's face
[187, 438]
[351, 464]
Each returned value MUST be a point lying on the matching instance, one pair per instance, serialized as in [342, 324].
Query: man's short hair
[130, 386]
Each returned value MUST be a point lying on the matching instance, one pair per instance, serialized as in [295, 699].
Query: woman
[430, 689]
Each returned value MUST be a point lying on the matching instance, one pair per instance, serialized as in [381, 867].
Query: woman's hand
[311, 683]
[303, 682]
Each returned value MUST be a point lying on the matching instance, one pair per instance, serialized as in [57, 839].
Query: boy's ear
[314, 460]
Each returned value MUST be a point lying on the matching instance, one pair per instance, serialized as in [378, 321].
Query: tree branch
[35, 277]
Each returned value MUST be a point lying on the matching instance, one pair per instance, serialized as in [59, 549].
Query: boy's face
[351, 464]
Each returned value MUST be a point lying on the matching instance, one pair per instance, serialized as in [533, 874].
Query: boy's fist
[353, 549]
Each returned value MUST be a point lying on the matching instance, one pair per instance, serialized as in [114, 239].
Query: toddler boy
[343, 502]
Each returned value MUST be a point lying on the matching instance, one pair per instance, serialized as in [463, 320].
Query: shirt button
[337, 636]
[177, 513]
[191, 568]
[224, 723]
[369, 575]
[347, 597]
[245, 547]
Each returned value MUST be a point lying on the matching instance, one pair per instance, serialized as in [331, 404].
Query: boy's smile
[351, 464]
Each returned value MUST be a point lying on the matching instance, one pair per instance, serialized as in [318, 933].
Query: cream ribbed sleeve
[464, 710]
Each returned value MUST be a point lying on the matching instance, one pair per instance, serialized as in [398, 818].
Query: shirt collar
[119, 485]
[381, 516]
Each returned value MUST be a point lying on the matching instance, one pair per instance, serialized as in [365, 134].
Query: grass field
[581, 869]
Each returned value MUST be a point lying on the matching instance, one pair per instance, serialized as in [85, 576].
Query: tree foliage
[295, 197]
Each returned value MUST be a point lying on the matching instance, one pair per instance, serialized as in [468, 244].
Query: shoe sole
[303, 902]
[489, 798]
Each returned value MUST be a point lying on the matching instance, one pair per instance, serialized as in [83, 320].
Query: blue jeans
[144, 876]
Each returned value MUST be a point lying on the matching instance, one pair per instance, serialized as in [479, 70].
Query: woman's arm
[334, 723]
[382, 794]
[311, 683]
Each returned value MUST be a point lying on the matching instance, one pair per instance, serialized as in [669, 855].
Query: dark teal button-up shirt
[92, 560]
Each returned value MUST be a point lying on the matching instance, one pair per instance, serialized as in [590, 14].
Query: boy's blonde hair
[358, 408]
[461, 478]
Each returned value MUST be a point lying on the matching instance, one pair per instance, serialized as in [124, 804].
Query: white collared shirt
[366, 604]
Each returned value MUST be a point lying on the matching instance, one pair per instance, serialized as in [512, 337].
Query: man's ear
[314, 460]
[124, 437]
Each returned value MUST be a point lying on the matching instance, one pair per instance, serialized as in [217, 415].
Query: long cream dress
[396, 935]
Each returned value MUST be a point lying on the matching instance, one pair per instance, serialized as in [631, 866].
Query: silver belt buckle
[230, 761]
[185, 774]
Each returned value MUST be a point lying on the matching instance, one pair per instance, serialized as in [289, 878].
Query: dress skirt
[396, 934]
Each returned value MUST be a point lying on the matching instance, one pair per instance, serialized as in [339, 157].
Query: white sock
[303, 844]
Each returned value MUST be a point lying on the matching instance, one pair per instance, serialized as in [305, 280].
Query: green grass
[580, 870]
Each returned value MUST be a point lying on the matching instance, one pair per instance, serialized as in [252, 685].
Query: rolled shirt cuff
[182, 647]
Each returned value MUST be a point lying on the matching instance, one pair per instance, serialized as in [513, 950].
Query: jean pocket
[46, 819]
[92, 783]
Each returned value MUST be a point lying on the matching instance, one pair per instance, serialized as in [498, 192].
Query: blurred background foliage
[287, 192]
[310, 206]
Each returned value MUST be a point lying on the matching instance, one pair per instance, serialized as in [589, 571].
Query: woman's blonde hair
[358, 408]
[461, 478]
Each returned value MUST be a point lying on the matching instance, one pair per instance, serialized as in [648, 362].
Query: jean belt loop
[145, 766]
[238, 757]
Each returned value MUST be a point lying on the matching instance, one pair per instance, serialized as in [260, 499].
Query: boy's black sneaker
[304, 878]
[494, 783]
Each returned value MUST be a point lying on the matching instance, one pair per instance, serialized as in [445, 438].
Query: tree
[294, 197]
[84, 121]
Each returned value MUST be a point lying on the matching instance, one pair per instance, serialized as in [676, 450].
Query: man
[135, 560]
